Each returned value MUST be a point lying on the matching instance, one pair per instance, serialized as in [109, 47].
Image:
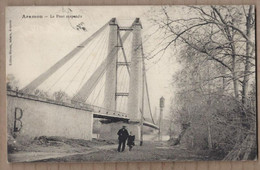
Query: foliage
[215, 89]
[12, 83]
[61, 96]
[41, 93]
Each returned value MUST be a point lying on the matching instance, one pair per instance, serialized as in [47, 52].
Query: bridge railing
[101, 110]
[70, 103]
[113, 113]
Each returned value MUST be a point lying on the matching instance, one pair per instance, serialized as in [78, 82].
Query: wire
[68, 68]
[82, 79]
[146, 85]
[92, 95]
[103, 85]
[85, 61]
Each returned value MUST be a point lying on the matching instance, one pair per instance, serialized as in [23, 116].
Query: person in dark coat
[122, 137]
[131, 141]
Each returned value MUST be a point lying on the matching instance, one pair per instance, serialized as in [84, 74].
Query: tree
[61, 96]
[41, 93]
[12, 82]
[218, 57]
[219, 32]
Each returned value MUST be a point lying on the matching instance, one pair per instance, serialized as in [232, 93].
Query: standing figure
[130, 141]
[122, 137]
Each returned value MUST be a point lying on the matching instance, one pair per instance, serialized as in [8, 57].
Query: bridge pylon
[109, 131]
[110, 90]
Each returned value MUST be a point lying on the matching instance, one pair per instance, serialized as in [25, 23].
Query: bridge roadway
[98, 112]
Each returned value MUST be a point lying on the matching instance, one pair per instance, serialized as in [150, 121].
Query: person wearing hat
[122, 137]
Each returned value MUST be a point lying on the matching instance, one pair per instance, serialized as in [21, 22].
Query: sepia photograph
[131, 83]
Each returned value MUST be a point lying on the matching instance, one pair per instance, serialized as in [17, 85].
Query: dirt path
[54, 149]
[41, 156]
[150, 151]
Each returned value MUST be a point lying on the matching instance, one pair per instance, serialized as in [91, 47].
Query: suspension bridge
[105, 77]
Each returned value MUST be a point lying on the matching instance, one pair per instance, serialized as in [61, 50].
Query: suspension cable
[146, 85]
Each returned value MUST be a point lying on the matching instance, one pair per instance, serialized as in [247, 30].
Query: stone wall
[39, 118]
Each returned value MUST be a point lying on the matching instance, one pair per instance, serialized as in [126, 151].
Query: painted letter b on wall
[18, 114]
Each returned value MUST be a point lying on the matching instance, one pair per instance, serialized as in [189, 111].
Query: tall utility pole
[142, 114]
[160, 118]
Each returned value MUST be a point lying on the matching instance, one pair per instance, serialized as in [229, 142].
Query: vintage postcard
[131, 83]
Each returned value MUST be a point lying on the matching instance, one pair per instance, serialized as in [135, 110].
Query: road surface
[150, 151]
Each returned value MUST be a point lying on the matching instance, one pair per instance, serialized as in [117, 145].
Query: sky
[36, 44]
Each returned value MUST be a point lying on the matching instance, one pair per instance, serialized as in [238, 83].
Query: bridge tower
[109, 131]
[110, 86]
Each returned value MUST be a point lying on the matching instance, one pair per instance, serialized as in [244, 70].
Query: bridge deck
[149, 124]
